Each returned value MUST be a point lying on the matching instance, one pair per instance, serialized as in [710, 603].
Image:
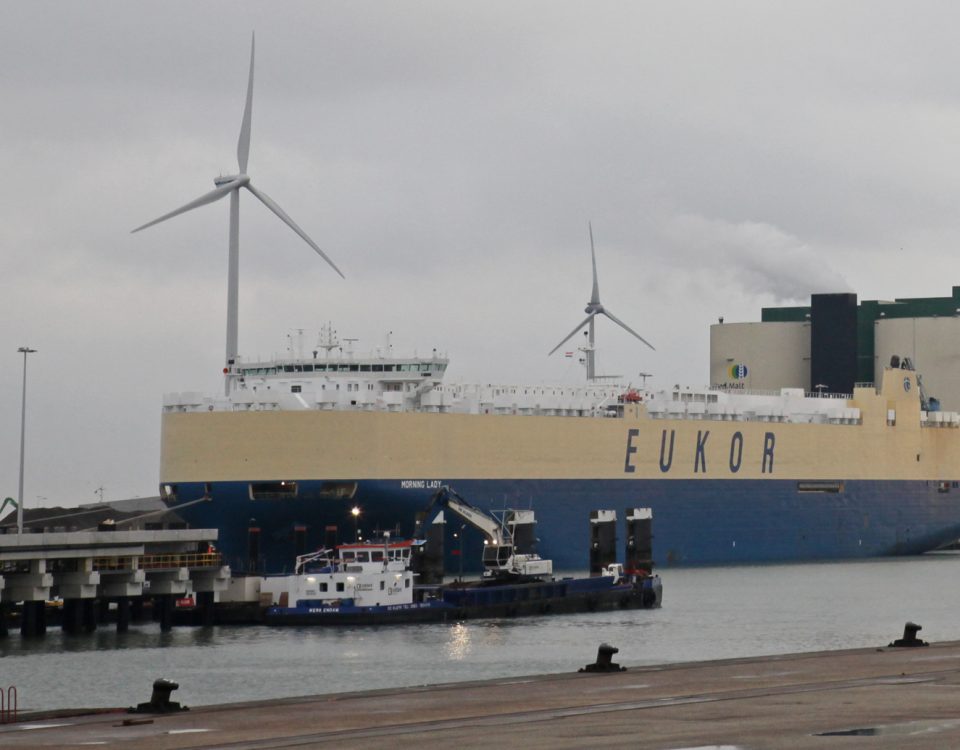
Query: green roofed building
[835, 342]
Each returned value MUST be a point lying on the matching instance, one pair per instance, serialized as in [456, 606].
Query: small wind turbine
[230, 185]
[594, 308]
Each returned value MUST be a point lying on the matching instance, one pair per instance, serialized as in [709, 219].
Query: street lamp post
[462, 527]
[355, 512]
[24, 350]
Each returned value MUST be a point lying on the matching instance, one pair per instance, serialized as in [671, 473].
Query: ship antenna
[328, 339]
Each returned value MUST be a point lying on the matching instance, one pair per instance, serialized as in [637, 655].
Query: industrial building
[835, 342]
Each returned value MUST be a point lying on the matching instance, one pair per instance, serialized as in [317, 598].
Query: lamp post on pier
[24, 350]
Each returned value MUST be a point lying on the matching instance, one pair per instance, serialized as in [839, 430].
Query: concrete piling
[123, 614]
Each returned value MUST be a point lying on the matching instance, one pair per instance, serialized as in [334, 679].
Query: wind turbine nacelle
[227, 179]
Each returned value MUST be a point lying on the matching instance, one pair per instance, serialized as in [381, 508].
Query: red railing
[8, 705]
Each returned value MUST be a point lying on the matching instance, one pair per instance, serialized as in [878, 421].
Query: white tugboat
[356, 576]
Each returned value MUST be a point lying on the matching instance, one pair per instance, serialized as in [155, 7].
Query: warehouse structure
[835, 342]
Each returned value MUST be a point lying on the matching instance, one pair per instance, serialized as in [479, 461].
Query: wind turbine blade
[572, 333]
[268, 202]
[243, 145]
[214, 195]
[595, 296]
[625, 327]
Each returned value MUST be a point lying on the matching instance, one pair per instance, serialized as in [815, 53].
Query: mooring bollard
[604, 661]
[909, 639]
[160, 702]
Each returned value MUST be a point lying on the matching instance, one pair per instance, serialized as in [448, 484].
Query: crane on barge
[501, 561]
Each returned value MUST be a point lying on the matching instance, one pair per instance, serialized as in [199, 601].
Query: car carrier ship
[303, 447]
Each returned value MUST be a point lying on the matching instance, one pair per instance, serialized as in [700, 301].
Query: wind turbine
[594, 308]
[230, 185]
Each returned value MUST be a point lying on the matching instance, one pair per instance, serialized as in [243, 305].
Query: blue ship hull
[696, 521]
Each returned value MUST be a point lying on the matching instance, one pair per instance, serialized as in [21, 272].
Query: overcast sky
[447, 156]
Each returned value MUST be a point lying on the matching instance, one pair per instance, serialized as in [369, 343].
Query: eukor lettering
[736, 452]
[700, 459]
[737, 447]
[666, 464]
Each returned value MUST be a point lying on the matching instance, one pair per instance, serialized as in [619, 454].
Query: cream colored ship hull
[722, 491]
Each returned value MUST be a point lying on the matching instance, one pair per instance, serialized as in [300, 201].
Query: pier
[876, 698]
[86, 571]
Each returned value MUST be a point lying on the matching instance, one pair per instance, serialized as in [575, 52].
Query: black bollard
[160, 702]
[604, 661]
[909, 639]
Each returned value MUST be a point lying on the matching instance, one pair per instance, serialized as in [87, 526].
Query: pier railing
[159, 562]
[184, 560]
[8, 705]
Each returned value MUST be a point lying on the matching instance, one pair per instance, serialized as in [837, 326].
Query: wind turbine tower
[231, 185]
[594, 308]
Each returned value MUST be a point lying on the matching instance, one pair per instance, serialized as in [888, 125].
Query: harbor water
[708, 613]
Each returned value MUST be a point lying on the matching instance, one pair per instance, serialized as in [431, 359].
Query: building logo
[738, 371]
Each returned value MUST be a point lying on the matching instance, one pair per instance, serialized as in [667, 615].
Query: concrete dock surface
[864, 698]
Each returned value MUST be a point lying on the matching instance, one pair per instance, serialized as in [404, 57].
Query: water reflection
[458, 642]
